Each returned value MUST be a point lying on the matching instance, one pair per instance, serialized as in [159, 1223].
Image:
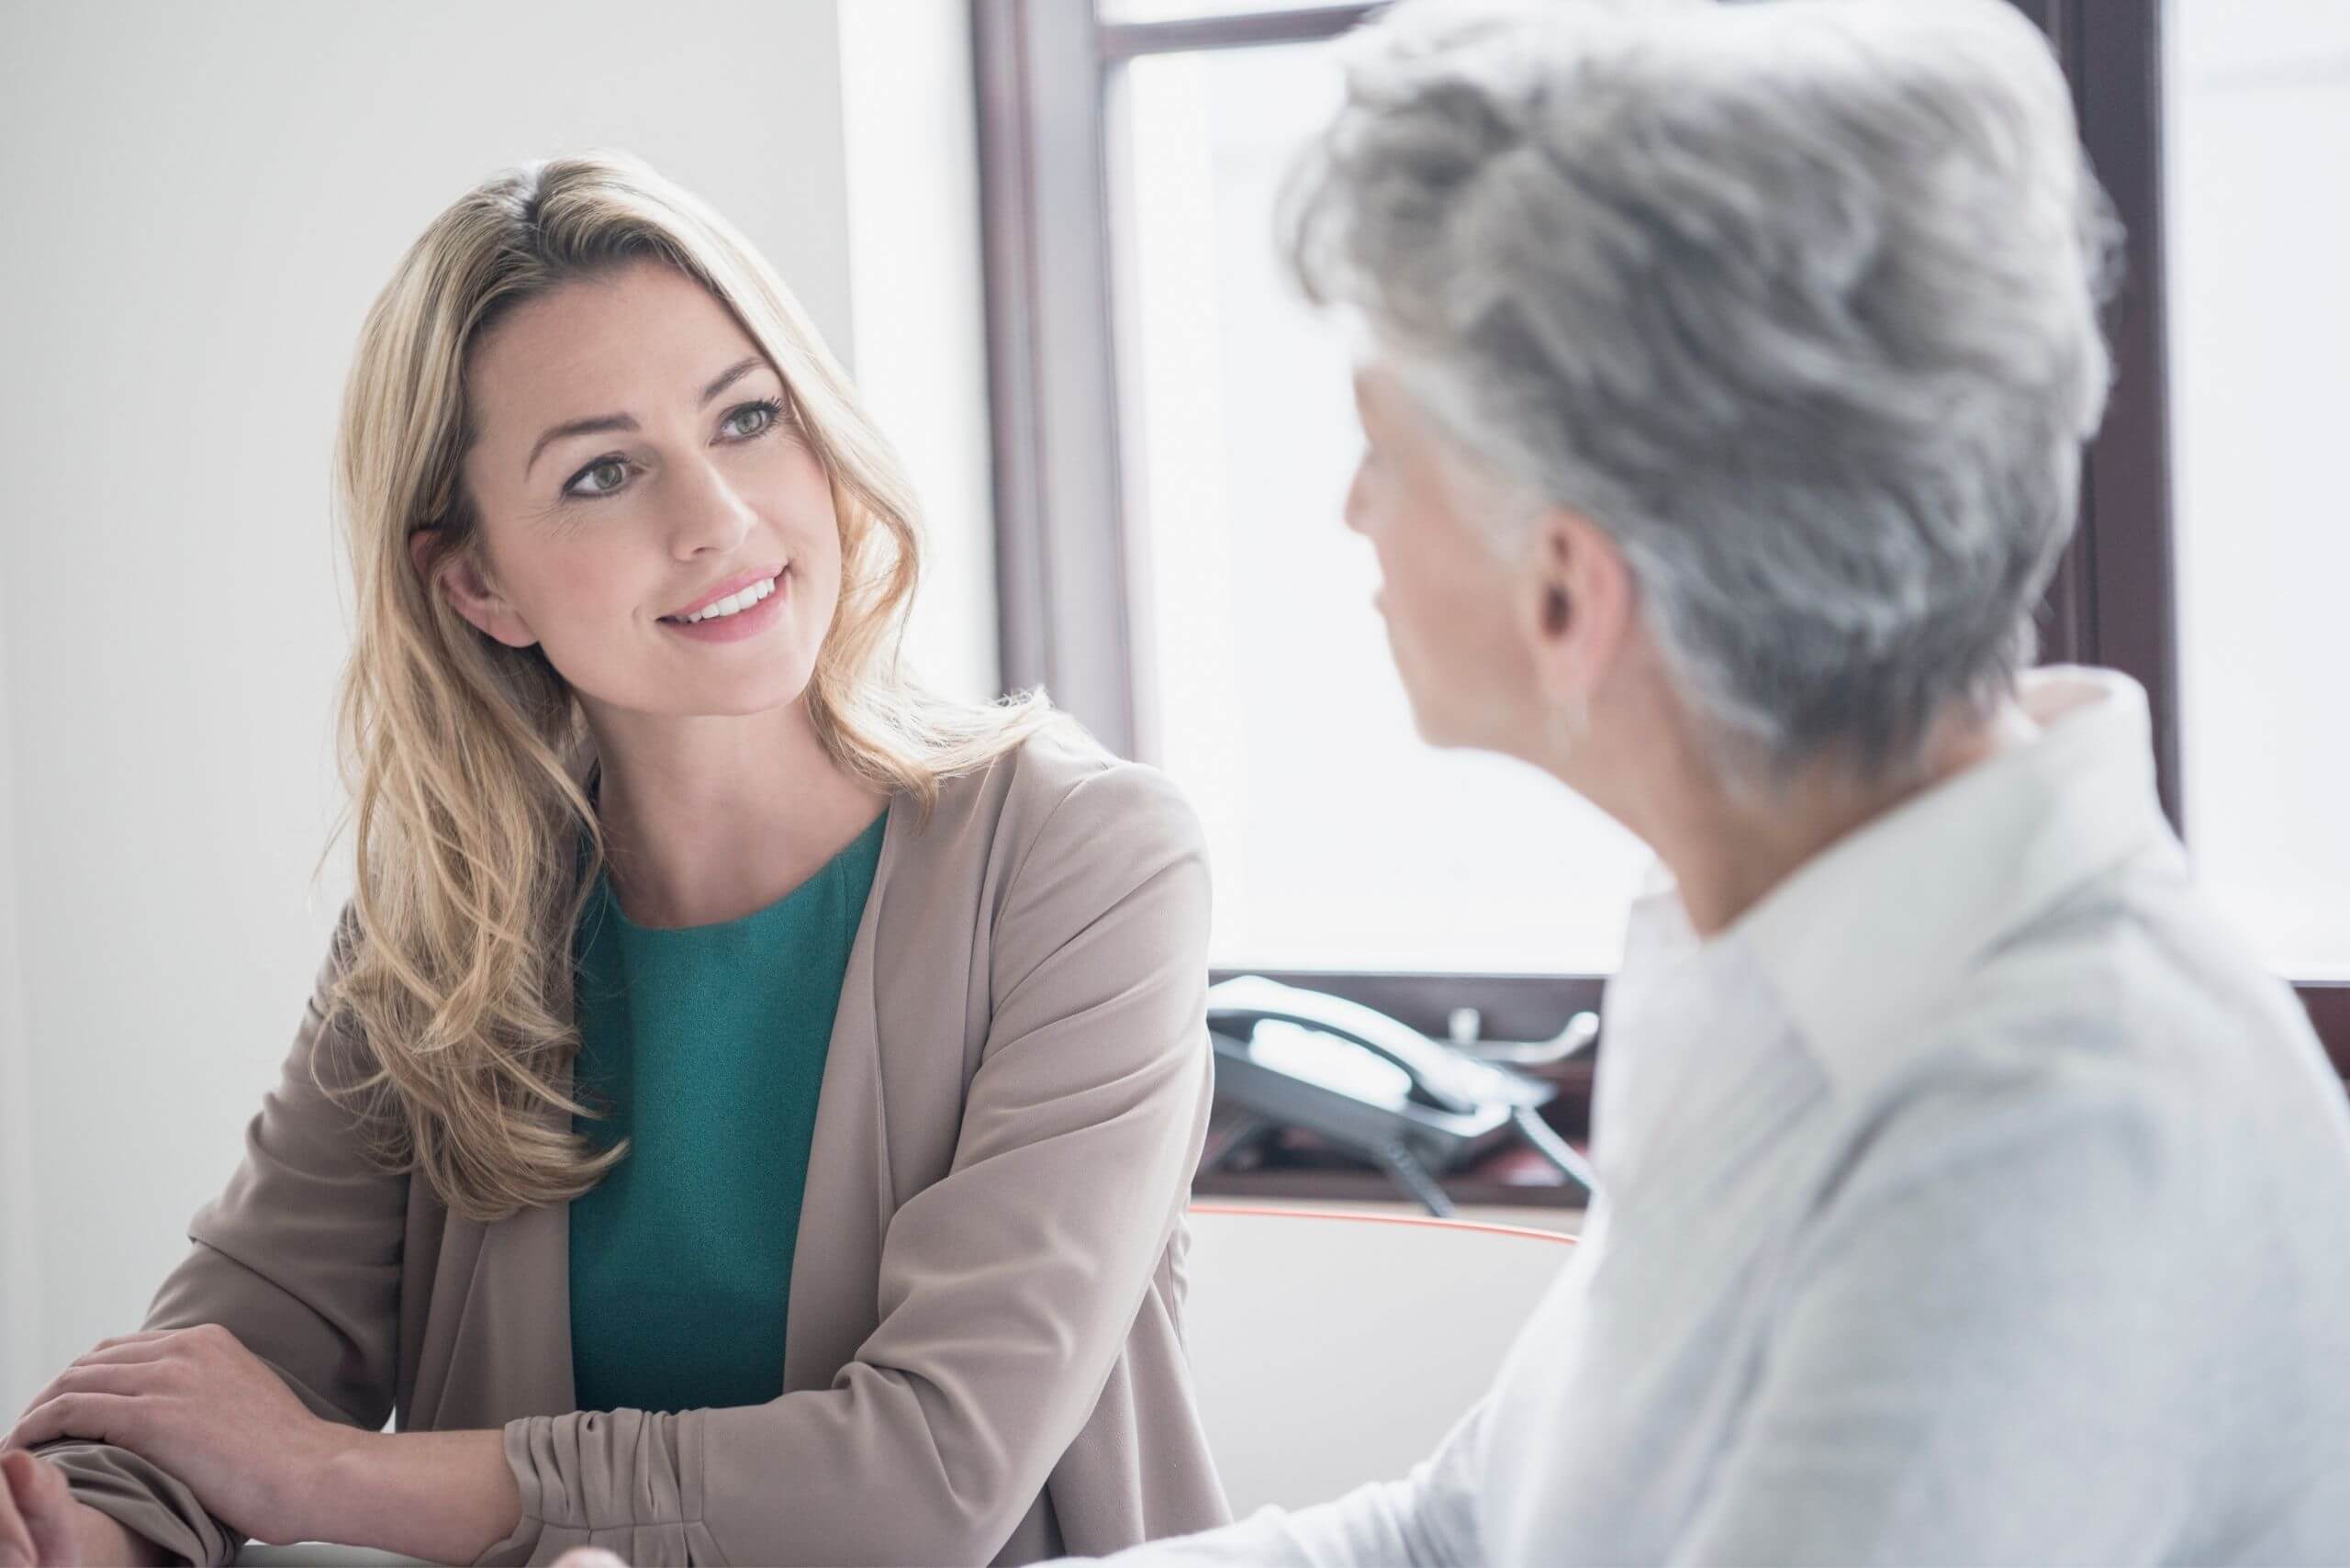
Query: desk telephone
[1377, 1088]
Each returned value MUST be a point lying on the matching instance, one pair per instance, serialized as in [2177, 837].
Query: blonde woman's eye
[599, 466]
[769, 408]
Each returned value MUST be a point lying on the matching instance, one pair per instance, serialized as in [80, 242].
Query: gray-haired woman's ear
[1823, 362]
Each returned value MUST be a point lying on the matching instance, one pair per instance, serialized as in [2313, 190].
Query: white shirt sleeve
[1988, 1350]
[1428, 1519]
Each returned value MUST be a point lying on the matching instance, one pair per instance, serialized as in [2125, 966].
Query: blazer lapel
[848, 1197]
[498, 1343]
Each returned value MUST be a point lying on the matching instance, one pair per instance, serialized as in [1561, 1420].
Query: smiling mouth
[734, 603]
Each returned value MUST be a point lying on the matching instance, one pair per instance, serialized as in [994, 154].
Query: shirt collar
[1885, 923]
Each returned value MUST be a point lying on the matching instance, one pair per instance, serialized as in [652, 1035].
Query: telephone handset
[1374, 1085]
[1442, 1076]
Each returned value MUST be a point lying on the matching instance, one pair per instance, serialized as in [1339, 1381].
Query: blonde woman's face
[597, 543]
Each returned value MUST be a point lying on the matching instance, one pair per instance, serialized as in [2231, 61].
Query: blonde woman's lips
[747, 621]
[719, 590]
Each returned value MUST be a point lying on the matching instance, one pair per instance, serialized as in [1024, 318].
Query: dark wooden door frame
[2114, 601]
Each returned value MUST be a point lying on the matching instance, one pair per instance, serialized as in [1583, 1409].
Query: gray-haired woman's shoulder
[2136, 1007]
[2142, 968]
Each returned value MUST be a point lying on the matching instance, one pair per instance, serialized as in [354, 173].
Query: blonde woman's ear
[457, 578]
[421, 545]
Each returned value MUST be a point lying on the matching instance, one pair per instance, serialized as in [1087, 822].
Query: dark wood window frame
[1043, 70]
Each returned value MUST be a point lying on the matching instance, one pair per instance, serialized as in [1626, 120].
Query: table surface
[318, 1552]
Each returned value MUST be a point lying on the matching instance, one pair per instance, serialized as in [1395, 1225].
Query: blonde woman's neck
[709, 818]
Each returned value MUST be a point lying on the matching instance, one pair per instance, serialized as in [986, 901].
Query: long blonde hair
[469, 764]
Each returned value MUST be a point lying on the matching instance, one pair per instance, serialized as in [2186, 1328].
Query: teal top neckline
[603, 897]
[706, 1044]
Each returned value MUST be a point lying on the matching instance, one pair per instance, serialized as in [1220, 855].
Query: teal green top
[708, 1042]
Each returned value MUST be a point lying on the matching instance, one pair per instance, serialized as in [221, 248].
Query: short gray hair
[1797, 299]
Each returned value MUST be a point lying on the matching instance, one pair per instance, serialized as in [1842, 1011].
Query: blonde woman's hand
[198, 1404]
[588, 1557]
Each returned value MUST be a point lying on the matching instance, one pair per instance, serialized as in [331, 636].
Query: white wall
[1328, 1352]
[201, 203]
[20, 1284]
[910, 142]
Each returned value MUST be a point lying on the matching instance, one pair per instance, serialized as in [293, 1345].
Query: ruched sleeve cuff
[628, 1481]
[142, 1498]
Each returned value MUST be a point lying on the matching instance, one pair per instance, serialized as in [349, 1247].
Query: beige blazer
[983, 1357]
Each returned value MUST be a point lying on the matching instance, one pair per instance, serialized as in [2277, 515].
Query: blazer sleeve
[300, 1258]
[1008, 1287]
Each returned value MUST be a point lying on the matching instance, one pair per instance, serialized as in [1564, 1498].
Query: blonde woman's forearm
[102, 1539]
[444, 1496]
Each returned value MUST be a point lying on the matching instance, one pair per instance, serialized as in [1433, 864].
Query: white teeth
[733, 603]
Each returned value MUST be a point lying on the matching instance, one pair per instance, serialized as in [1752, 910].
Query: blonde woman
[746, 1109]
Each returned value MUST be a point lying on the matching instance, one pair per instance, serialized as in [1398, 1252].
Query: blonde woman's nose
[712, 518]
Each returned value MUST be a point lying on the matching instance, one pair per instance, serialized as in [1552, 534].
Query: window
[2260, 332]
[1150, 366]
[1262, 682]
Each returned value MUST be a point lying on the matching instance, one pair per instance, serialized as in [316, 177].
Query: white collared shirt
[1974, 1197]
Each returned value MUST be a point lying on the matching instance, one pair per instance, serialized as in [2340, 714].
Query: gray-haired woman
[1967, 1193]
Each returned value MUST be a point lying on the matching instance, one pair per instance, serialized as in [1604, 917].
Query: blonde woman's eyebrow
[599, 423]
